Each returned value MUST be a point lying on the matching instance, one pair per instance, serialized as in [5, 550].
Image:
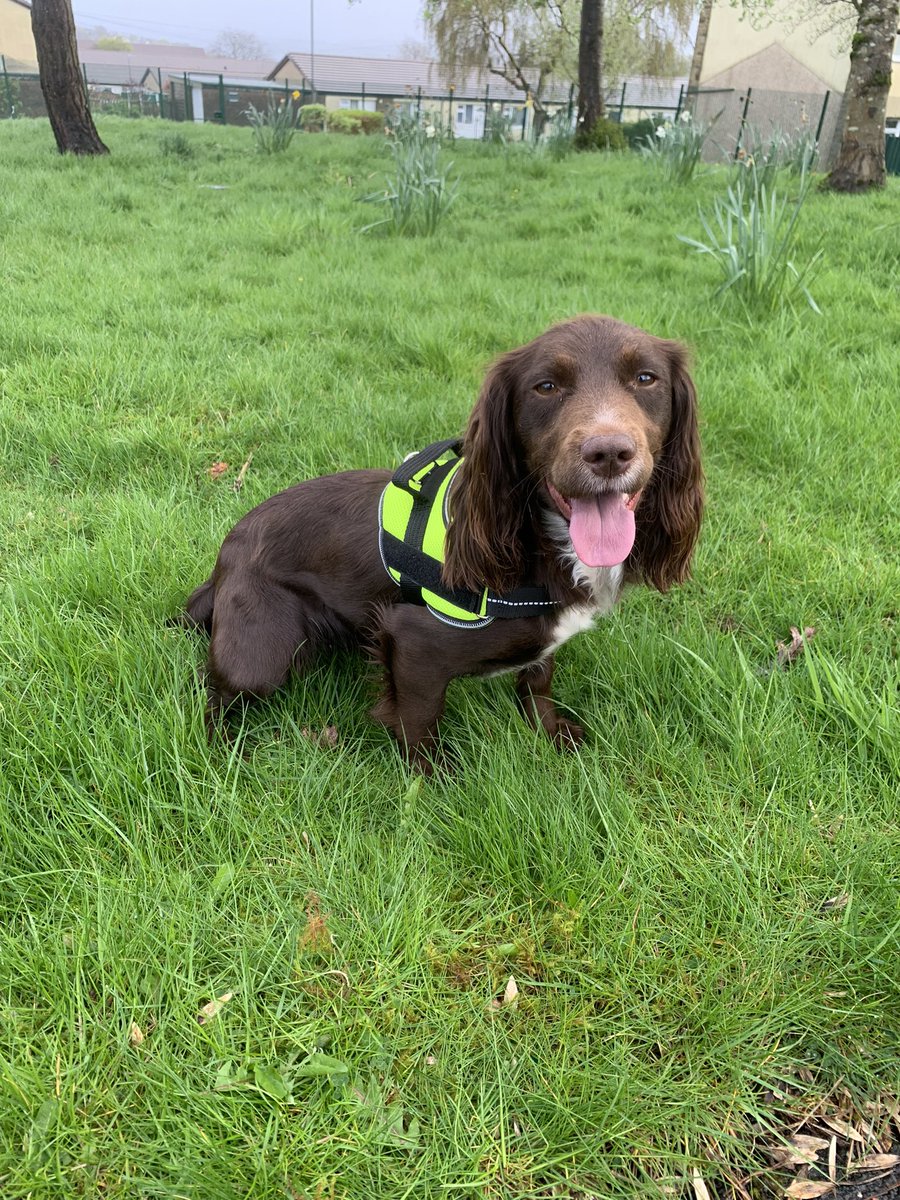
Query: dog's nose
[609, 454]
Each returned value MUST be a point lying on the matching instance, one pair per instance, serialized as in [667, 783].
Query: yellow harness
[413, 516]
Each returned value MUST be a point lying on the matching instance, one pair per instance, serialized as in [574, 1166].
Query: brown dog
[580, 472]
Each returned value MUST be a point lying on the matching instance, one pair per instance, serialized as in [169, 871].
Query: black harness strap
[417, 570]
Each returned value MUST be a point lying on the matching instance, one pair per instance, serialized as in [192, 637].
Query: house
[460, 99]
[128, 68]
[163, 75]
[777, 73]
[16, 39]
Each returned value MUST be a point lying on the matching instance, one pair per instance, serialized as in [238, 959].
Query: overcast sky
[368, 27]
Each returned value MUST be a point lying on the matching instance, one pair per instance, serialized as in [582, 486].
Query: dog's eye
[646, 378]
[546, 387]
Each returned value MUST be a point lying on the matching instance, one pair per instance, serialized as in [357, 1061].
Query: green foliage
[796, 152]
[114, 42]
[312, 117]
[675, 147]
[421, 192]
[355, 120]
[419, 128]
[699, 907]
[497, 127]
[9, 97]
[559, 137]
[274, 126]
[606, 135]
[753, 235]
[176, 145]
[637, 132]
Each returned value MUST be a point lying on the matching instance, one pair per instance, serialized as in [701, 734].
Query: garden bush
[312, 117]
[605, 135]
[637, 132]
[355, 120]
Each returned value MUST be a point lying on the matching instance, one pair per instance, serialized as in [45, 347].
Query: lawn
[282, 970]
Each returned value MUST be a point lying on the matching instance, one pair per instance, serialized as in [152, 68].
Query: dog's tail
[198, 611]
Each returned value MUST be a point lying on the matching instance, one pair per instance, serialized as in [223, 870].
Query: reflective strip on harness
[413, 518]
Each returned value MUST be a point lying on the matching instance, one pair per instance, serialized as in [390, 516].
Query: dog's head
[595, 420]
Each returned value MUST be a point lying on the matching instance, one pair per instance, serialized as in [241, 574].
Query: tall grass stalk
[752, 235]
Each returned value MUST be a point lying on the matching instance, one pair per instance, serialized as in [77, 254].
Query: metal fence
[740, 118]
[192, 96]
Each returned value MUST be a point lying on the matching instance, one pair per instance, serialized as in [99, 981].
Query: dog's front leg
[534, 686]
[414, 685]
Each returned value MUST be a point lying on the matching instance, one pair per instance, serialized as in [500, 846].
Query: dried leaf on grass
[315, 935]
[844, 1128]
[217, 470]
[213, 1008]
[806, 1189]
[510, 997]
[701, 1191]
[135, 1034]
[802, 1149]
[789, 652]
[876, 1162]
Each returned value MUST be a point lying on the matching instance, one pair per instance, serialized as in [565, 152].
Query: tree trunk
[697, 59]
[860, 164]
[62, 83]
[590, 50]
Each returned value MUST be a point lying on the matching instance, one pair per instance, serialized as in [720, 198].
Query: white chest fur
[604, 583]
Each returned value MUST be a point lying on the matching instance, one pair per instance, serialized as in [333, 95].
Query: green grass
[661, 898]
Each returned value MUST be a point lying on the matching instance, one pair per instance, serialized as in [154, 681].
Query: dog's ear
[484, 540]
[671, 509]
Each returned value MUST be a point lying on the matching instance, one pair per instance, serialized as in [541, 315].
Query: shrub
[9, 97]
[605, 135]
[311, 117]
[637, 132]
[796, 152]
[354, 120]
[176, 145]
[418, 128]
[497, 127]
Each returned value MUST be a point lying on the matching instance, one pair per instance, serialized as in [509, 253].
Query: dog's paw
[568, 735]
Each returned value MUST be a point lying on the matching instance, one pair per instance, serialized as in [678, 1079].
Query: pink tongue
[602, 529]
